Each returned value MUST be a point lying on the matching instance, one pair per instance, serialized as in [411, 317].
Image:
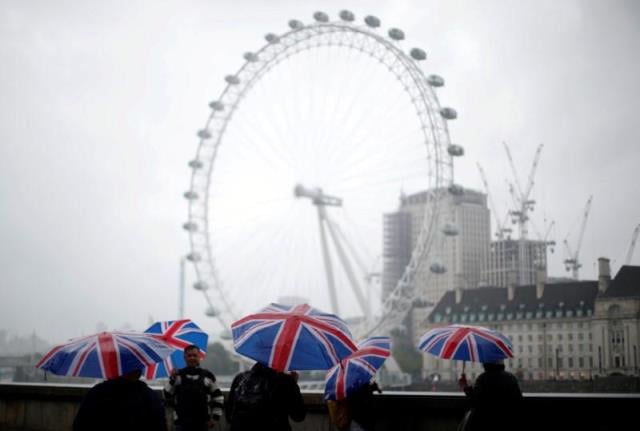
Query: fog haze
[101, 101]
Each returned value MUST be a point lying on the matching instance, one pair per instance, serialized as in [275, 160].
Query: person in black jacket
[495, 399]
[124, 403]
[264, 399]
[194, 394]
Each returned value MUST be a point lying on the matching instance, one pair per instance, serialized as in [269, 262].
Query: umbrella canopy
[357, 369]
[466, 343]
[293, 338]
[178, 334]
[105, 355]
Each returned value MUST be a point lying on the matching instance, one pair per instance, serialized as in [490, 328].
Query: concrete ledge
[52, 407]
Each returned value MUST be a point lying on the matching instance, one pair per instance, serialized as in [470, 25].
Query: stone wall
[37, 407]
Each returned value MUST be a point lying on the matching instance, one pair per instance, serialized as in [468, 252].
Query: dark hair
[493, 366]
[191, 347]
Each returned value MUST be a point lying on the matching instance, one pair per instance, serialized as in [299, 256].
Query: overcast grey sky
[101, 101]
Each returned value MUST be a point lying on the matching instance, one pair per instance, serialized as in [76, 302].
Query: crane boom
[499, 226]
[572, 263]
[532, 173]
[513, 167]
[632, 246]
[521, 198]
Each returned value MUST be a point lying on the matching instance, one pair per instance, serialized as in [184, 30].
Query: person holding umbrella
[122, 401]
[349, 385]
[282, 339]
[496, 396]
[495, 399]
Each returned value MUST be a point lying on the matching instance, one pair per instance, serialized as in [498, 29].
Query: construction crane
[572, 263]
[522, 197]
[501, 230]
[632, 246]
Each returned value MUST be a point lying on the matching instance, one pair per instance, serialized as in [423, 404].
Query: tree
[219, 360]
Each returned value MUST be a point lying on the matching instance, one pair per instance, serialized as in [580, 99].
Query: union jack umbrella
[178, 334]
[105, 355]
[466, 343]
[357, 369]
[293, 338]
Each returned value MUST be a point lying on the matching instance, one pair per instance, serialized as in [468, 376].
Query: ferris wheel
[312, 141]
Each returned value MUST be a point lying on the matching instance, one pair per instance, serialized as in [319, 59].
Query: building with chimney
[573, 330]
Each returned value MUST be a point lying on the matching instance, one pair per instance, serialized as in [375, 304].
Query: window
[559, 337]
[530, 348]
[570, 360]
[519, 349]
[520, 338]
[580, 348]
[530, 338]
[581, 362]
[570, 336]
[571, 347]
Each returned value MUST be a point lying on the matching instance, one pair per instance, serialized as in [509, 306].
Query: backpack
[191, 398]
[253, 399]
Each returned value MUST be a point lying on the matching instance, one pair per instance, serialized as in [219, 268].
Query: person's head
[132, 376]
[493, 366]
[192, 356]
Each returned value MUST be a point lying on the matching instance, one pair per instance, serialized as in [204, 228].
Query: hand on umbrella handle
[462, 382]
[294, 375]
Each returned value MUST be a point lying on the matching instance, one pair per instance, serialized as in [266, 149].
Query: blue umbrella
[466, 343]
[105, 355]
[297, 337]
[357, 369]
[178, 334]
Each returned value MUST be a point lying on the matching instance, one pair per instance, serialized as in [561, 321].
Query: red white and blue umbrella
[298, 337]
[466, 343]
[357, 369]
[178, 334]
[105, 355]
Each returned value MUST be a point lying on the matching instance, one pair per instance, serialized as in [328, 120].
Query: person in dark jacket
[264, 399]
[194, 394]
[124, 403]
[495, 399]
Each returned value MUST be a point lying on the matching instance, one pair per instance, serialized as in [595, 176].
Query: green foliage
[219, 360]
[408, 357]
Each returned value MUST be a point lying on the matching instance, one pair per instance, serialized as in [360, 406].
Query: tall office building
[462, 255]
